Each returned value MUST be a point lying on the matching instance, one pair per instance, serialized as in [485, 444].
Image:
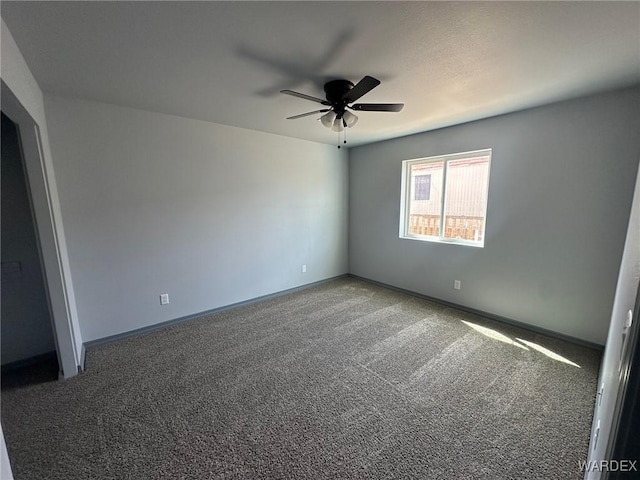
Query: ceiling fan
[340, 95]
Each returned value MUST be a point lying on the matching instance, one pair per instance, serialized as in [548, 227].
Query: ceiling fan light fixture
[328, 118]
[350, 119]
[337, 125]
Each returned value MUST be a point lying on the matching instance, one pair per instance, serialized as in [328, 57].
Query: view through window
[445, 198]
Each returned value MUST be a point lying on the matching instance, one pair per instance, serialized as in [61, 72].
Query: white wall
[560, 193]
[610, 373]
[210, 214]
[25, 100]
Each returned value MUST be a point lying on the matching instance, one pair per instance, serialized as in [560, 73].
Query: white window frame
[406, 193]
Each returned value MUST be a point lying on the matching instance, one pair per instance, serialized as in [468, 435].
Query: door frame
[47, 232]
[622, 433]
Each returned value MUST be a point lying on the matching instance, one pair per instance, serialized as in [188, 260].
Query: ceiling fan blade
[378, 107]
[308, 113]
[306, 97]
[363, 86]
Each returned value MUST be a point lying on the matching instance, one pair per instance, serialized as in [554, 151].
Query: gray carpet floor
[344, 380]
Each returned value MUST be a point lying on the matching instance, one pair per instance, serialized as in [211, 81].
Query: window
[444, 198]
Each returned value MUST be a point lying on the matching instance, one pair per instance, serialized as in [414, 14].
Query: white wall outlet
[457, 284]
[164, 299]
[304, 269]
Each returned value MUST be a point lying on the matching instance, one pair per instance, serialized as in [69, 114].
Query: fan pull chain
[345, 135]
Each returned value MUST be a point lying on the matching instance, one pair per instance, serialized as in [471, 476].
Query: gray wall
[26, 324]
[561, 184]
[210, 214]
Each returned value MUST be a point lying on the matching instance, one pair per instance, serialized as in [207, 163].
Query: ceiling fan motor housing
[335, 90]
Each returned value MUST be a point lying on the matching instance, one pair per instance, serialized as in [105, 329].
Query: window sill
[451, 241]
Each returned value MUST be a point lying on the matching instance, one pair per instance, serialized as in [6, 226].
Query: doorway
[28, 348]
[38, 169]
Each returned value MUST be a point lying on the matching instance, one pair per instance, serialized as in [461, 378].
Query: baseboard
[43, 357]
[490, 316]
[83, 356]
[177, 321]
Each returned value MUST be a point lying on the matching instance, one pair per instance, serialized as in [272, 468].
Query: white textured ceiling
[225, 62]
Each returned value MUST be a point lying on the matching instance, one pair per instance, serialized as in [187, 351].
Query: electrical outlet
[304, 269]
[457, 284]
[164, 299]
